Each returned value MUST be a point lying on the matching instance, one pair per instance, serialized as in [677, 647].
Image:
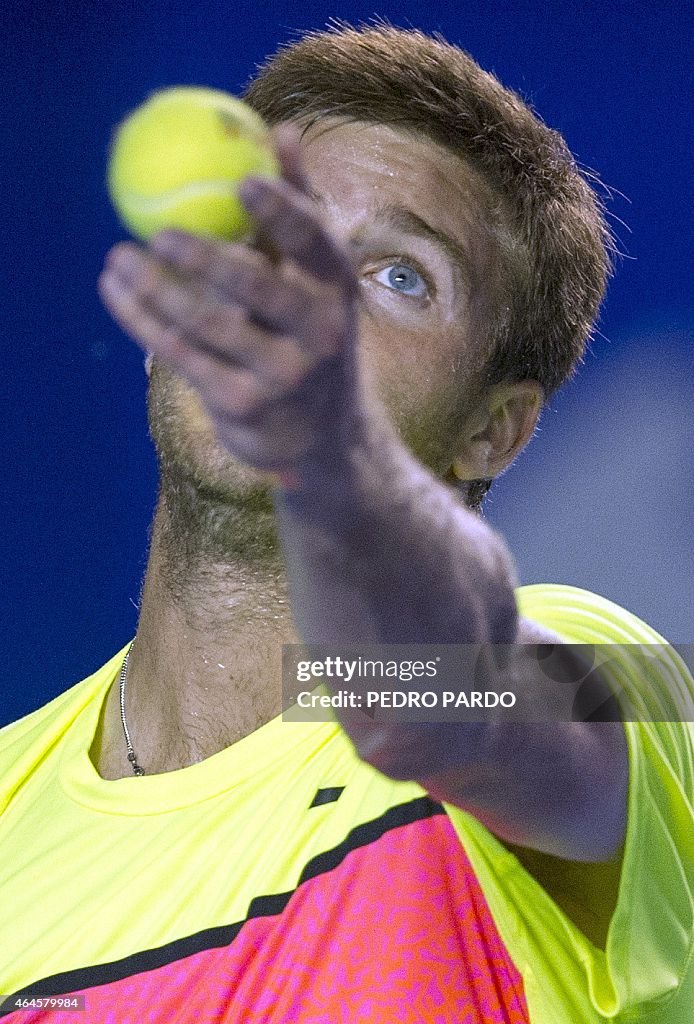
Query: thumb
[287, 139]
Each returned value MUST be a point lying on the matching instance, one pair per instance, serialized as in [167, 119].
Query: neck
[205, 669]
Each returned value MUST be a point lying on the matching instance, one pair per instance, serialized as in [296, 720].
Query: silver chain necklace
[137, 769]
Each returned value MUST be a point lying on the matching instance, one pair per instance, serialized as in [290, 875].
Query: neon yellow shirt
[284, 880]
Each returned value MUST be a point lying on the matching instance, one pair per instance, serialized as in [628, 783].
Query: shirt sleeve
[648, 954]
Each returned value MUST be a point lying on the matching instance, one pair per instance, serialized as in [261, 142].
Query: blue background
[602, 498]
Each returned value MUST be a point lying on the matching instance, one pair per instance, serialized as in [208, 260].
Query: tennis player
[329, 402]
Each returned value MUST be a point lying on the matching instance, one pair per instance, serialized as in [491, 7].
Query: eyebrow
[401, 218]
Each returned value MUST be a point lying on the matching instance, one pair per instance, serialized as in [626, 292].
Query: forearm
[556, 787]
[379, 551]
[385, 553]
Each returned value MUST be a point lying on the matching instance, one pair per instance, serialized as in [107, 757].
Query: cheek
[415, 369]
[419, 380]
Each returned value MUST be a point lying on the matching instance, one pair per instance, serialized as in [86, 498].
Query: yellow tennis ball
[177, 161]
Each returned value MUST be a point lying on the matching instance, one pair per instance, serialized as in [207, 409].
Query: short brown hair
[557, 256]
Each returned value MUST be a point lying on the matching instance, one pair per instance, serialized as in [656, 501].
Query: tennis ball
[177, 160]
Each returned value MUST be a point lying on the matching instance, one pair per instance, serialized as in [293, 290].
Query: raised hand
[266, 333]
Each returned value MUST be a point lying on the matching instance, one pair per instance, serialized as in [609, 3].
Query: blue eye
[404, 278]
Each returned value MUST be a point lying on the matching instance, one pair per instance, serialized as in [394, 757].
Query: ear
[498, 430]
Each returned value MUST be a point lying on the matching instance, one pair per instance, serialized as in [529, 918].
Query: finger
[281, 302]
[290, 222]
[150, 332]
[229, 390]
[146, 291]
[146, 299]
[287, 139]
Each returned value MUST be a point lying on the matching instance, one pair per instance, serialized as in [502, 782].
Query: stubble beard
[212, 510]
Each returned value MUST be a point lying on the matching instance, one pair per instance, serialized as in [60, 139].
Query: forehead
[360, 172]
[372, 162]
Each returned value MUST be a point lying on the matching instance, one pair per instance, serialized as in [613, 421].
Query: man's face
[418, 219]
